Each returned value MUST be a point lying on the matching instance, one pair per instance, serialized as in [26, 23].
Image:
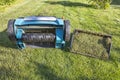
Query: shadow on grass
[116, 34]
[116, 6]
[68, 3]
[9, 74]
[117, 49]
[115, 2]
[4, 40]
[115, 59]
[47, 72]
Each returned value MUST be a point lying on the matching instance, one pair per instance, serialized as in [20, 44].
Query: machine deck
[91, 44]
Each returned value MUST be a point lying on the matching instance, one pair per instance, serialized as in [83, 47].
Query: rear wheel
[10, 30]
[67, 30]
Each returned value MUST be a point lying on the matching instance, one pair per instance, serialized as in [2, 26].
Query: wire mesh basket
[91, 44]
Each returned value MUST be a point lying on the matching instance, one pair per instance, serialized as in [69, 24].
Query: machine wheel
[10, 30]
[67, 30]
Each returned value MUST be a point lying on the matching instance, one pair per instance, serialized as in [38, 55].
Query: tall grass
[6, 2]
[104, 4]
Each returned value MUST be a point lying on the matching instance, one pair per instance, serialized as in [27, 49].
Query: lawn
[57, 64]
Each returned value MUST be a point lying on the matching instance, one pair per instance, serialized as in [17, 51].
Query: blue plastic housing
[38, 21]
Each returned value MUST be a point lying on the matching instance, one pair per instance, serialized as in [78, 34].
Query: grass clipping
[91, 44]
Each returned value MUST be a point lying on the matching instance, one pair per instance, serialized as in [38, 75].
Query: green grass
[6, 2]
[57, 64]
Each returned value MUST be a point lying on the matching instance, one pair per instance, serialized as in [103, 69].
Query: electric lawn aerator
[40, 31]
